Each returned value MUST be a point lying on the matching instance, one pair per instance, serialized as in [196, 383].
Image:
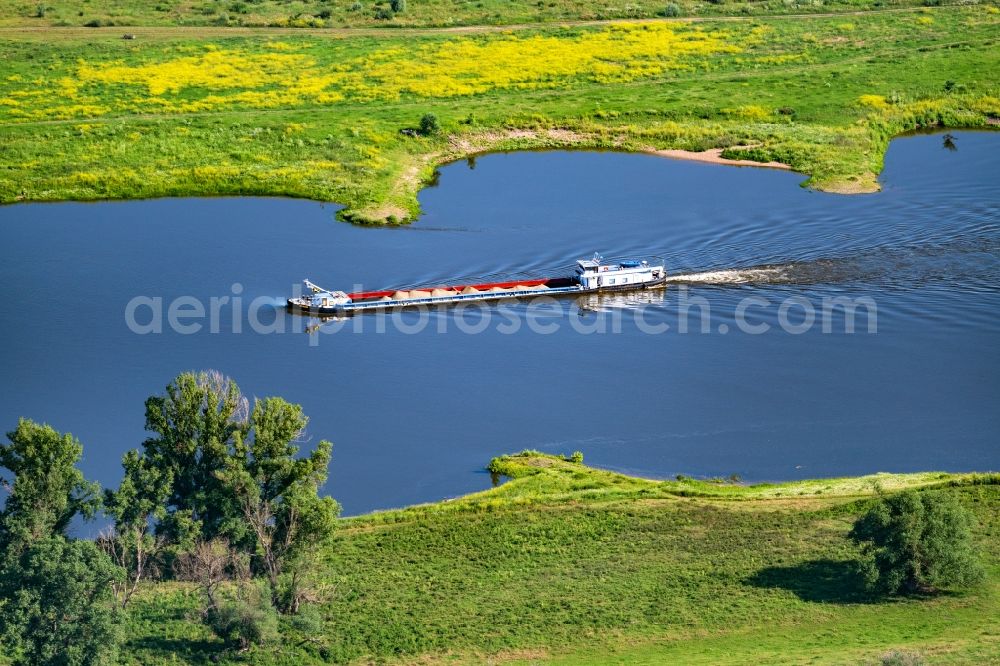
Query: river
[766, 382]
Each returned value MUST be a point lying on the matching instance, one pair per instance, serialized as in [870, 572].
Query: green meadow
[326, 115]
[571, 564]
[389, 14]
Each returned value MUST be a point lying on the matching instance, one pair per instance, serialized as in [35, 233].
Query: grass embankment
[320, 117]
[579, 565]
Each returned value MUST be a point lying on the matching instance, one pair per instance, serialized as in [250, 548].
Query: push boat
[591, 276]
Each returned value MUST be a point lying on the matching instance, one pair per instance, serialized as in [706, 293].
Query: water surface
[415, 416]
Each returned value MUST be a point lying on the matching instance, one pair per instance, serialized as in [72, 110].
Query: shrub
[577, 457]
[356, 7]
[917, 542]
[429, 124]
[398, 6]
[897, 658]
[502, 466]
[672, 10]
[383, 14]
[309, 622]
[242, 624]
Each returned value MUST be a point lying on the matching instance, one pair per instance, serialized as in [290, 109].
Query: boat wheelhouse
[591, 276]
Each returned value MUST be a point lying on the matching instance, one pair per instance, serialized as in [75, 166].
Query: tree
[279, 497]
[397, 6]
[917, 542]
[429, 124]
[216, 473]
[56, 605]
[209, 564]
[55, 598]
[140, 498]
[195, 423]
[47, 490]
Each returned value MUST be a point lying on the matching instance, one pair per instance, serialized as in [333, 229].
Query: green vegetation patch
[575, 564]
[339, 118]
[318, 14]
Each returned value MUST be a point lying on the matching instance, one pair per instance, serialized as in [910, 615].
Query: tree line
[218, 493]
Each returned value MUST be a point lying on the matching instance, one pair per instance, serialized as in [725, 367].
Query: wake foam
[758, 275]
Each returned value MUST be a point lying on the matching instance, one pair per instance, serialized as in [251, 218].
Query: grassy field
[570, 564]
[86, 115]
[385, 14]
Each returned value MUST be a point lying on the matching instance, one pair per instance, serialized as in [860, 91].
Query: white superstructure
[592, 274]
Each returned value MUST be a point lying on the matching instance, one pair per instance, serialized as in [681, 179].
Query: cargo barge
[591, 276]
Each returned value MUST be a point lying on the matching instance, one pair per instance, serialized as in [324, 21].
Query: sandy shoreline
[714, 156]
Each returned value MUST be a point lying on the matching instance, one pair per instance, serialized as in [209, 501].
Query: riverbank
[322, 118]
[571, 564]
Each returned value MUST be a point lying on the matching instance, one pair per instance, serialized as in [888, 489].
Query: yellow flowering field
[278, 74]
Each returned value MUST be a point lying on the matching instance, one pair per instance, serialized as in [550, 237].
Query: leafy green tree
[55, 598]
[917, 542]
[278, 494]
[47, 490]
[216, 473]
[140, 499]
[195, 424]
[429, 124]
[56, 605]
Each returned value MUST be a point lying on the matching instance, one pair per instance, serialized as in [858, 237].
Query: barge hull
[378, 305]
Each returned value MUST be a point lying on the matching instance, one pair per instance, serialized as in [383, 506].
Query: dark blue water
[416, 406]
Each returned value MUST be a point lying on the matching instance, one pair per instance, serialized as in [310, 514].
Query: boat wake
[758, 275]
[966, 263]
[816, 271]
